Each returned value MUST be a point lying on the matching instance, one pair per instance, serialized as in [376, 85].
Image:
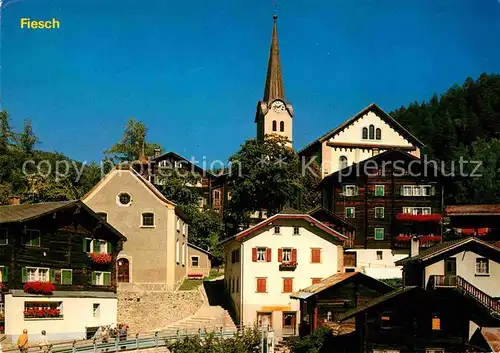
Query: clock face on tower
[278, 107]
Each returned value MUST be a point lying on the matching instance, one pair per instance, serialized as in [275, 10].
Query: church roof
[274, 88]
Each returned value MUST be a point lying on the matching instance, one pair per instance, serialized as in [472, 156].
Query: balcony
[288, 266]
[402, 241]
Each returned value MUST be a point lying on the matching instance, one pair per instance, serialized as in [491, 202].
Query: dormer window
[365, 133]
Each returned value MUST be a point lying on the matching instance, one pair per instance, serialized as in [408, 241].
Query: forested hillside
[464, 122]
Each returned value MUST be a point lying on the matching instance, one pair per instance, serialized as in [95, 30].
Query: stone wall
[147, 311]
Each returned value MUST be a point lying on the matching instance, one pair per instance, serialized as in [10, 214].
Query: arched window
[372, 132]
[282, 126]
[365, 133]
[378, 134]
[274, 125]
[123, 270]
[342, 162]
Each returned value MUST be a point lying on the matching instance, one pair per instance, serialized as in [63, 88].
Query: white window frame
[37, 277]
[349, 190]
[383, 212]
[407, 190]
[286, 255]
[415, 210]
[100, 282]
[417, 190]
[381, 255]
[261, 254]
[486, 268]
[96, 311]
[197, 261]
[353, 209]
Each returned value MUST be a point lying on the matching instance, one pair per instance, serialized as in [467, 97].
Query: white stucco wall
[466, 268]
[233, 272]
[275, 300]
[77, 315]
[353, 135]
[367, 262]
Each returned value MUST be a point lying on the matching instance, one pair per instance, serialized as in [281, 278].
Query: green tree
[320, 341]
[27, 139]
[6, 133]
[133, 143]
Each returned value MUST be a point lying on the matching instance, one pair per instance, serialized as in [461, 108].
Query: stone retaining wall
[144, 312]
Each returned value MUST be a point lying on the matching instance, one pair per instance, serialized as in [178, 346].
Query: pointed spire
[274, 81]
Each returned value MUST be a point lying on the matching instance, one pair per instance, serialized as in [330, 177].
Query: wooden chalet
[482, 221]
[322, 303]
[340, 224]
[388, 198]
[57, 262]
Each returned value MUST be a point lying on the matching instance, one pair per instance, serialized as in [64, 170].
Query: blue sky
[193, 71]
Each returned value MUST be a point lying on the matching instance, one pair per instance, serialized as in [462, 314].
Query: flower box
[101, 259]
[45, 288]
[3, 287]
[288, 266]
[39, 313]
[406, 217]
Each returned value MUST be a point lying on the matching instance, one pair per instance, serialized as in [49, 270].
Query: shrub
[317, 342]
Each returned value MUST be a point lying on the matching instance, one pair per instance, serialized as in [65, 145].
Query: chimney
[14, 200]
[156, 153]
[414, 246]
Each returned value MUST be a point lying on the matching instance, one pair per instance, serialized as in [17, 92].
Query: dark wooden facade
[482, 221]
[64, 229]
[340, 224]
[392, 170]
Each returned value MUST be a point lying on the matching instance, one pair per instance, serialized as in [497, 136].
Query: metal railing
[467, 288]
[139, 341]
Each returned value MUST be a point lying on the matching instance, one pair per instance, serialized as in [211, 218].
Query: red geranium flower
[99, 258]
[39, 287]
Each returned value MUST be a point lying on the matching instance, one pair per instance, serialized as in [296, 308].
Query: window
[282, 126]
[101, 278]
[482, 266]
[417, 190]
[349, 259]
[378, 134]
[4, 236]
[42, 310]
[261, 285]
[350, 190]
[261, 254]
[185, 231]
[235, 256]
[237, 284]
[364, 135]
[426, 190]
[379, 233]
[385, 320]
[371, 132]
[195, 261]
[67, 277]
[124, 198]
[286, 255]
[287, 285]
[350, 212]
[347, 270]
[264, 319]
[177, 251]
[148, 219]
[35, 274]
[31, 237]
[183, 254]
[296, 230]
[379, 255]
[315, 256]
[407, 191]
[216, 194]
[342, 162]
[178, 222]
[417, 210]
[379, 212]
[436, 323]
[275, 126]
[277, 230]
[379, 190]
[103, 215]
[96, 246]
[96, 309]
[315, 280]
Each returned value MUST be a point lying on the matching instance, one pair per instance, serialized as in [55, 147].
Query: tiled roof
[473, 210]
[25, 211]
[492, 337]
[376, 301]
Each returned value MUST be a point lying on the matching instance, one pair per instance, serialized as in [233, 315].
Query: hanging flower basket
[418, 217]
[101, 259]
[45, 288]
[41, 313]
[3, 287]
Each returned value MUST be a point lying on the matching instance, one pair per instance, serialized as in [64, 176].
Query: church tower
[274, 115]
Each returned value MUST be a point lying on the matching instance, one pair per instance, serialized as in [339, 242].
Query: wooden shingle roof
[25, 212]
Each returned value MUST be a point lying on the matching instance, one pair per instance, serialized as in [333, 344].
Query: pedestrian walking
[44, 343]
[22, 342]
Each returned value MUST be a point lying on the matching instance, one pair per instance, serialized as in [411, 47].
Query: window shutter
[24, 275]
[268, 254]
[356, 191]
[96, 245]
[316, 280]
[264, 284]
[285, 285]
[110, 247]
[85, 242]
[294, 256]
[433, 190]
[280, 255]
[52, 276]
[37, 239]
[254, 254]
[93, 278]
[318, 255]
[106, 278]
[5, 273]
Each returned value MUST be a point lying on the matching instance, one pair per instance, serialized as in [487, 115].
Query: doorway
[264, 320]
[123, 270]
[450, 272]
[289, 323]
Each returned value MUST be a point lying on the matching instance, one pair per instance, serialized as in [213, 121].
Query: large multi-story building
[267, 262]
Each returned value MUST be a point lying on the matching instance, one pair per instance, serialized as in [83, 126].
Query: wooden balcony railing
[467, 288]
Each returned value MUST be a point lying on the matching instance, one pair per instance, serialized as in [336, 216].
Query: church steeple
[274, 115]
[274, 87]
